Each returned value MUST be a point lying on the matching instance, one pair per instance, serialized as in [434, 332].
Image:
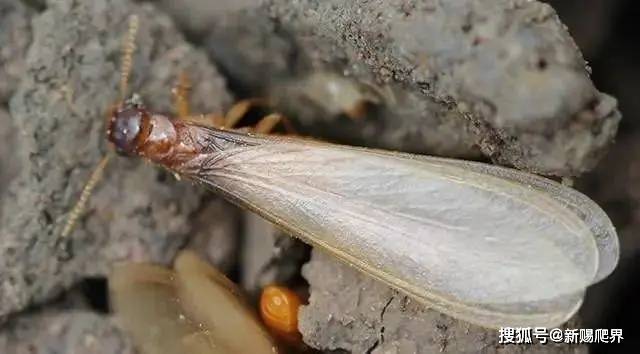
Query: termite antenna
[77, 210]
[128, 47]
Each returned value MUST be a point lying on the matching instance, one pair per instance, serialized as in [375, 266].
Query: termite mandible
[486, 244]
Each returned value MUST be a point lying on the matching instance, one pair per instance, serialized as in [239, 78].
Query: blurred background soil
[59, 73]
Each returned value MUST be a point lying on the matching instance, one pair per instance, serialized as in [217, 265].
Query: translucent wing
[489, 245]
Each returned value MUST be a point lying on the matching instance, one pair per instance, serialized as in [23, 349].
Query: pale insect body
[191, 309]
[486, 244]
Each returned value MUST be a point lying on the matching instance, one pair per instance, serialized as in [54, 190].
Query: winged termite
[192, 309]
[490, 245]
[487, 244]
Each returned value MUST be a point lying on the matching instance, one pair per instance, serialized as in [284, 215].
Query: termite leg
[234, 115]
[181, 96]
[240, 109]
[268, 123]
[265, 125]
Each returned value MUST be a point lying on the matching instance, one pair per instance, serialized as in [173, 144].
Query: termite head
[128, 126]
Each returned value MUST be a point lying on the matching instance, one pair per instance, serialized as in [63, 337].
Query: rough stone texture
[138, 212]
[509, 66]
[197, 16]
[507, 70]
[15, 38]
[276, 55]
[350, 311]
[9, 166]
[53, 331]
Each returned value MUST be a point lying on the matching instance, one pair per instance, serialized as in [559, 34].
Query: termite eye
[125, 126]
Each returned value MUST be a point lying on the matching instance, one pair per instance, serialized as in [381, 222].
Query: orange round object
[279, 310]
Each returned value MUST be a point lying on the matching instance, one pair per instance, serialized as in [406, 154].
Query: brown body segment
[135, 131]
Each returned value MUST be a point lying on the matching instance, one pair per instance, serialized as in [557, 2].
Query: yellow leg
[181, 96]
[182, 108]
[240, 109]
[265, 125]
[268, 123]
[230, 120]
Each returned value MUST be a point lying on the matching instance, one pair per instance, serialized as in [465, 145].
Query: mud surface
[53, 331]
[496, 80]
[502, 75]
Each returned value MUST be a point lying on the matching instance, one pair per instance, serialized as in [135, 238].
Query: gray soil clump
[15, 38]
[56, 331]
[510, 67]
[312, 73]
[502, 75]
